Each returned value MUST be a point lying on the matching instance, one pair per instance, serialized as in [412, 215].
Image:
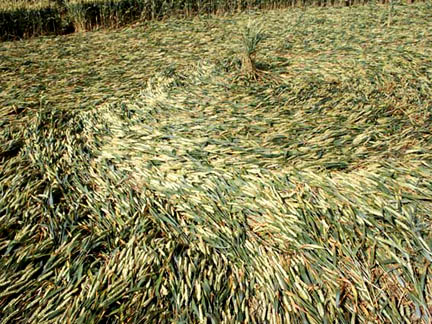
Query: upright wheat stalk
[390, 14]
[251, 37]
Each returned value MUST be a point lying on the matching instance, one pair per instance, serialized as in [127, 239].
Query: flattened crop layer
[205, 196]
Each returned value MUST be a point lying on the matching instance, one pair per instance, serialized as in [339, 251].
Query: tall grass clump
[390, 13]
[78, 15]
[251, 36]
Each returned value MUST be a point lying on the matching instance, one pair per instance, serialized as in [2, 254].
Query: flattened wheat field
[260, 166]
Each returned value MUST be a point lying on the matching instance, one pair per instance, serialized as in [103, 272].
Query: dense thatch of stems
[143, 181]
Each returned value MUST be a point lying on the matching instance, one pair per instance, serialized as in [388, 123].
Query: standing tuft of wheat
[252, 35]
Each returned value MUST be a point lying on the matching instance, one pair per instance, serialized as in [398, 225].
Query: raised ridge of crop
[147, 177]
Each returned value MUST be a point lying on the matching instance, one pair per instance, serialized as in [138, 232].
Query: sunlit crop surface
[145, 177]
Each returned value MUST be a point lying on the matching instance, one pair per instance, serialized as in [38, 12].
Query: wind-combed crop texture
[144, 179]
